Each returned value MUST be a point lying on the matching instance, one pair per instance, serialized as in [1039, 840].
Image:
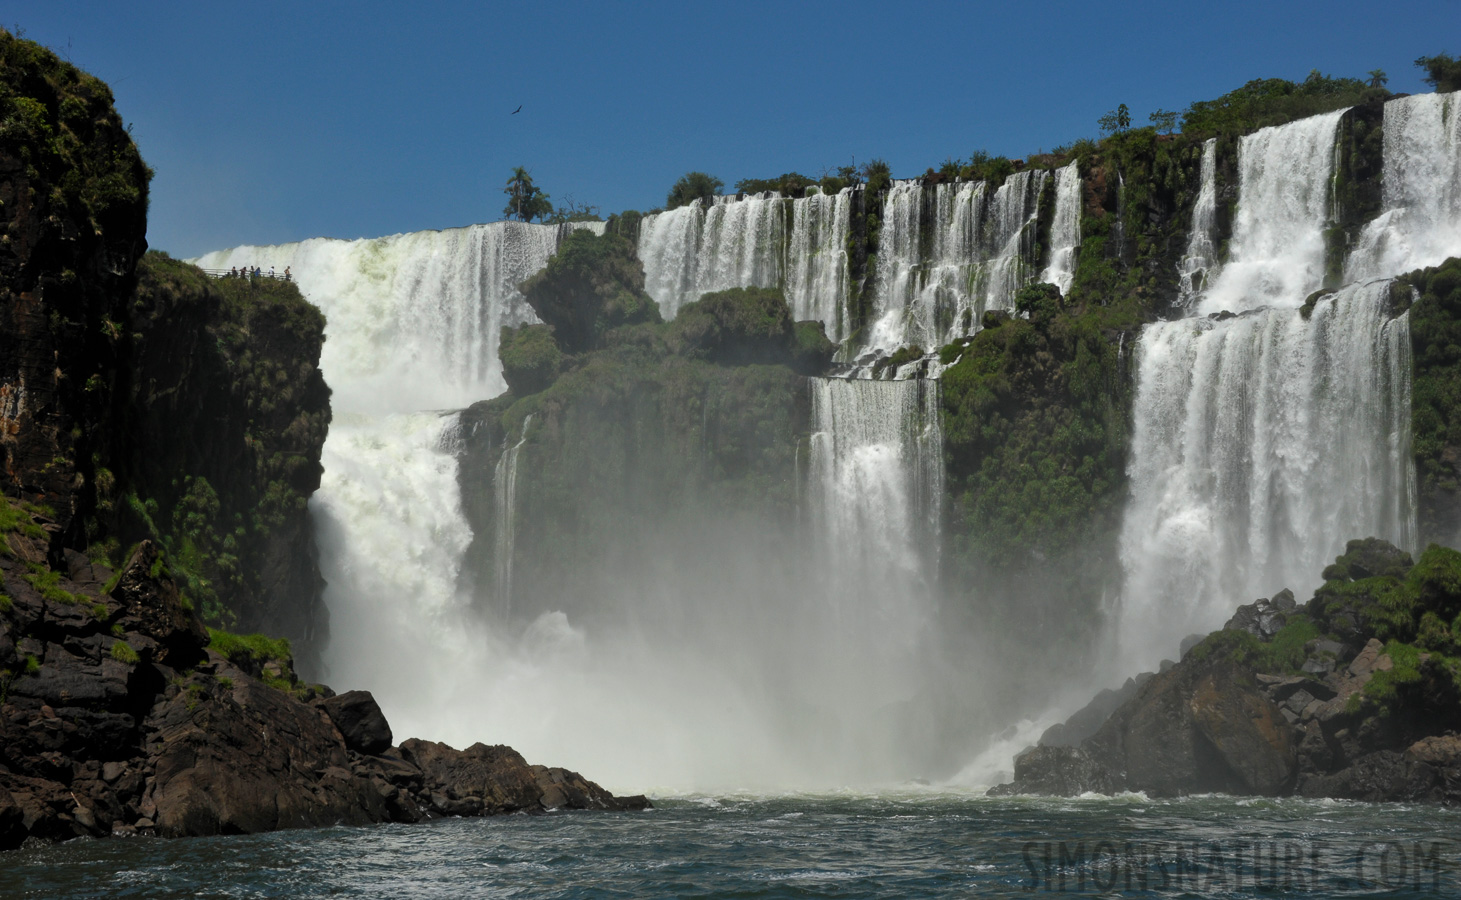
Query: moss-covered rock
[592, 285]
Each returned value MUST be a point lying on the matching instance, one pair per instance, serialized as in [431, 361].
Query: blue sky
[272, 122]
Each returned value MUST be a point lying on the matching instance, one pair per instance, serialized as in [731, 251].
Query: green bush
[530, 358]
[693, 186]
[122, 652]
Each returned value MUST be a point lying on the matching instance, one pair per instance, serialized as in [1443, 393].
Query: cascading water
[1421, 222]
[877, 483]
[412, 324]
[1201, 256]
[1261, 443]
[703, 247]
[1276, 256]
[817, 274]
[1011, 226]
[934, 287]
[1065, 229]
[504, 484]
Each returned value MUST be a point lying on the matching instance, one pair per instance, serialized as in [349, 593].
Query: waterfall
[1276, 255]
[413, 320]
[817, 274]
[1421, 222]
[934, 287]
[504, 494]
[412, 323]
[1201, 256]
[1261, 443]
[1065, 229]
[877, 477]
[703, 247]
[1011, 225]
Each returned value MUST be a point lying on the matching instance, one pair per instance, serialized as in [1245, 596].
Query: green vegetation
[1115, 121]
[1035, 419]
[60, 123]
[1443, 72]
[792, 184]
[225, 463]
[693, 186]
[525, 200]
[747, 326]
[271, 660]
[6, 603]
[243, 648]
[592, 285]
[1285, 653]
[1435, 334]
[530, 358]
[1274, 101]
[47, 584]
[32, 665]
[122, 652]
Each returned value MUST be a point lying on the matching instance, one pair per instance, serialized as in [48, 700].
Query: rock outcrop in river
[1353, 695]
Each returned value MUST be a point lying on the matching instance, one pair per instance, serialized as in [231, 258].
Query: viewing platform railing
[228, 273]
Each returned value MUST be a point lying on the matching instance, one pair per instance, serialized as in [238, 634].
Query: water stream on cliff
[711, 246]
[1065, 229]
[817, 266]
[940, 268]
[1421, 222]
[1276, 256]
[1201, 255]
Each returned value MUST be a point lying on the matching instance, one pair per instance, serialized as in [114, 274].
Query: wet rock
[360, 721]
[1248, 732]
[1060, 772]
[1263, 618]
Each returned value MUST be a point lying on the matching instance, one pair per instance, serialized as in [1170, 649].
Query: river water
[908, 843]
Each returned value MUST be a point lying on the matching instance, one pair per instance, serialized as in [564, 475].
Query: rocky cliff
[121, 714]
[138, 398]
[1355, 694]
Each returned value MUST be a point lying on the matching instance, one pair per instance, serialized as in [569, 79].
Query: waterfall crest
[1261, 443]
[1421, 220]
[703, 247]
[1065, 230]
[817, 269]
[413, 320]
[1197, 264]
[1276, 255]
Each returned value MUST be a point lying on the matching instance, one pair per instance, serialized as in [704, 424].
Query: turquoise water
[896, 845]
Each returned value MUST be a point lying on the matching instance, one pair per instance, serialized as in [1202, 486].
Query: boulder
[1249, 733]
[1060, 772]
[360, 721]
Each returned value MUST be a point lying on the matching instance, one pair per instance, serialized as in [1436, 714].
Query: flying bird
[516, 111]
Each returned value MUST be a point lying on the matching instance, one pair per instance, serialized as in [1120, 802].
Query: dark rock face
[73, 214]
[116, 719]
[1218, 722]
[360, 721]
